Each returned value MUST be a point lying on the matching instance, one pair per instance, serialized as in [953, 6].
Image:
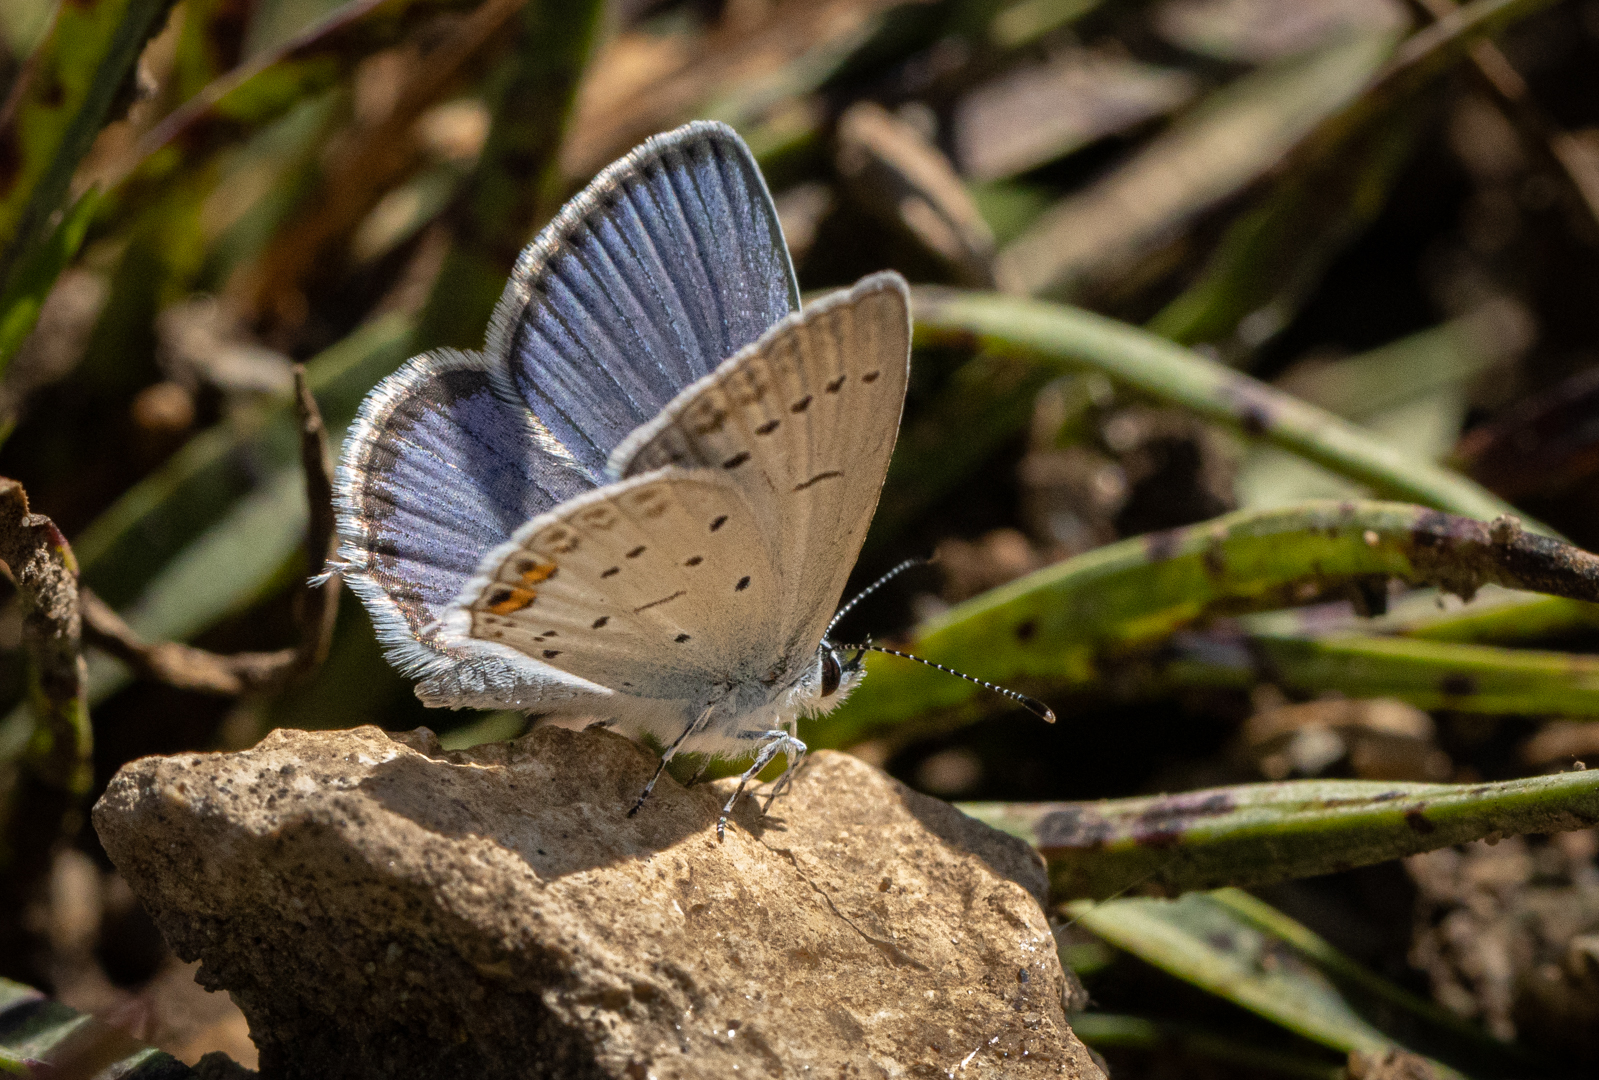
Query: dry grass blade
[908, 183]
[1224, 145]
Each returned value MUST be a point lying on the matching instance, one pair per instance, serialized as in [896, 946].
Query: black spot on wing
[831, 474]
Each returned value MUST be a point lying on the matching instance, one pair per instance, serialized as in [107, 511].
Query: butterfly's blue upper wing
[439, 468]
[667, 264]
[670, 261]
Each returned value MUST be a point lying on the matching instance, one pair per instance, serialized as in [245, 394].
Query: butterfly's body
[639, 506]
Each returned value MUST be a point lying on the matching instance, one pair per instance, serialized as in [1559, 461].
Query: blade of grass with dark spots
[1260, 834]
[1067, 625]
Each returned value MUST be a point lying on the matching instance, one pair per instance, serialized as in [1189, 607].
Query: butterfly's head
[832, 677]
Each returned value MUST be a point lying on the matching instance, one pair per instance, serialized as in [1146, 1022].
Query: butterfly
[638, 506]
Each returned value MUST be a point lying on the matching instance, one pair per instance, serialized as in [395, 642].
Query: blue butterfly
[639, 505]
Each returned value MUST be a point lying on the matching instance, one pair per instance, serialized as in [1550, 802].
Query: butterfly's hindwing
[659, 586]
[438, 427]
[804, 421]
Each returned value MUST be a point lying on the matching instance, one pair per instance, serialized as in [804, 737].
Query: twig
[319, 604]
[189, 668]
[46, 576]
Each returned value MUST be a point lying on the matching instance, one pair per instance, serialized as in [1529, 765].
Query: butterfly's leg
[795, 752]
[667, 756]
[776, 742]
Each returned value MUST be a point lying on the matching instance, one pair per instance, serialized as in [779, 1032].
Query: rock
[380, 908]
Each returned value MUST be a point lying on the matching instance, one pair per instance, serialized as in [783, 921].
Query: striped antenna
[1032, 705]
[908, 564]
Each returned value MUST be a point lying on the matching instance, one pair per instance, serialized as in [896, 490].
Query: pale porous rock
[380, 908]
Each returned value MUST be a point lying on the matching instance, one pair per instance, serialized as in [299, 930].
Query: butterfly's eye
[831, 672]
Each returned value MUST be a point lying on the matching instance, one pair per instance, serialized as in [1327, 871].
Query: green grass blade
[1203, 943]
[1204, 939]
[1259, 834]
[1072, 339]
[36, 272]
[67, 91]
[1428, 674]
[39, 1037]
[1495, 616]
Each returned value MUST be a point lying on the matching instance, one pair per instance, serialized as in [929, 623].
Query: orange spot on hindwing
[538, 572]
[509, 599]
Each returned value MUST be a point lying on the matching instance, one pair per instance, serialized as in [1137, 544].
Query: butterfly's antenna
[1032, 705]
[908, 564]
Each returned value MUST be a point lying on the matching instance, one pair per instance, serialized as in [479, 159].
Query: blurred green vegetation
[1200, 283]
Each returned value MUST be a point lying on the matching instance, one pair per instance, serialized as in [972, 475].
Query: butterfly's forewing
[804, 421]
[659, 587]
[668, 263]
[437, 470]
